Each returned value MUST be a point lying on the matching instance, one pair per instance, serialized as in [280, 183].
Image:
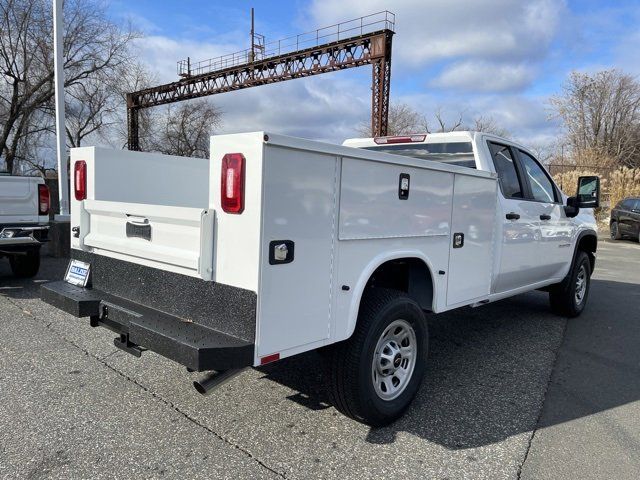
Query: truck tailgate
[18, 199]
[178, 239]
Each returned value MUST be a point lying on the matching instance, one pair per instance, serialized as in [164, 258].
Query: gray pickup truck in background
[24, 222]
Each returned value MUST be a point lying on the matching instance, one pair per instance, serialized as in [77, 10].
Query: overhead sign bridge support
[363, 41]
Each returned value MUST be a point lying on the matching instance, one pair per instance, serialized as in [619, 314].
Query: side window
[541, 185]
[628, 204]
[506, 169]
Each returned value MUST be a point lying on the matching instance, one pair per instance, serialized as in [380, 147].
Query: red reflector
[80, 180]
[232, 183]
[44, 201]
[404, 139]
[269, 358]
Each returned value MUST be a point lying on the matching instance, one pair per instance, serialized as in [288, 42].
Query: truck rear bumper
[195, 346]
[19, 237]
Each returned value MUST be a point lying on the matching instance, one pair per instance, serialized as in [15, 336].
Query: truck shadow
[492, 368]
[50, 269]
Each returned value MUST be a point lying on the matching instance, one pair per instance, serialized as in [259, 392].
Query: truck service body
[278, 245]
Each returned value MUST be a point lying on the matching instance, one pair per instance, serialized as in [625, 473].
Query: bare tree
[90, 106]
[93, 45]
[404, 120]
[442, 123]
[601, 113]
[186, 129]
[133, 78]
[489, 125]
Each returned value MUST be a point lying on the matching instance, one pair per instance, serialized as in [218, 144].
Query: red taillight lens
[80, 179]
[232, 183]
[43, 200]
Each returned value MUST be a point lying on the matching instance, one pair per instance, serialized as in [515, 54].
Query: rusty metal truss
[373, 48]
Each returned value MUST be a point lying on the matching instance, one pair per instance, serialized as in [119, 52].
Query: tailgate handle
[139, 229]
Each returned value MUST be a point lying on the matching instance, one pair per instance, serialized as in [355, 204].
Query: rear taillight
[403, 139]
[43, 200]
[80, 179]
[232, 183]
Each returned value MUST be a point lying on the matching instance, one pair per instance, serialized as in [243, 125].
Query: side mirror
[588, 195]
[571, 209]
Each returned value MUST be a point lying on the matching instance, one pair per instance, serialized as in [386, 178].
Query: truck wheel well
[409, 275]
[589, 244]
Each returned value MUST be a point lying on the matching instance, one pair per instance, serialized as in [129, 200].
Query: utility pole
[253, 50]
[61, 149]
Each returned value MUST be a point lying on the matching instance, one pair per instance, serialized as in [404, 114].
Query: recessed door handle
[512, 216]
[544, 216]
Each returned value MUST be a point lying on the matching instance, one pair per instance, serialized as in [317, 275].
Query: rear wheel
[569, 297]
[26, 265]
[615, 232]
[374, 375]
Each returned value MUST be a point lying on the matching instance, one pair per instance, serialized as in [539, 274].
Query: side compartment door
[518, 224]
[472, 239]
[556, 230]
[298, 231]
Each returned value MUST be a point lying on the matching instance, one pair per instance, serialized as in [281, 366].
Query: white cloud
[483, 76]
[320, 108]
[162, 53]
[432, 30]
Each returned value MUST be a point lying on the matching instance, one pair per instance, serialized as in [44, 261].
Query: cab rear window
[452, 153]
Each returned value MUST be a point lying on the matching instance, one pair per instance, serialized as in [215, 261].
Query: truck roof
[419, 137]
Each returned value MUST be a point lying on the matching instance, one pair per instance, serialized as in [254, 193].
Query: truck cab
[534, 227]
[24, 222]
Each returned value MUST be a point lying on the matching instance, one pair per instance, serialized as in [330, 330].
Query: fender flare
[587, 232]
[371, 267]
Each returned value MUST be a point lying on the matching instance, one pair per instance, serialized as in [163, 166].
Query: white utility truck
[278, 245]
[24, 222]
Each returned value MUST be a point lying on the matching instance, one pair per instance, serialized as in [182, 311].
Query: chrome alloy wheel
[581, 284]
[394, 359]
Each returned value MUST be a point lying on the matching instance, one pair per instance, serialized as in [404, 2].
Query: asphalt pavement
[511, 391]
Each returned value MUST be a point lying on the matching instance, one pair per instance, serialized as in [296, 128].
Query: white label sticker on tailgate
[77, 273]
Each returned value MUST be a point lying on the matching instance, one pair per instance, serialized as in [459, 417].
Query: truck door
[518, 224]
[625, 216]
[556, 229]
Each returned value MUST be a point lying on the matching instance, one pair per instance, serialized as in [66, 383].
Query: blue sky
[496, 58]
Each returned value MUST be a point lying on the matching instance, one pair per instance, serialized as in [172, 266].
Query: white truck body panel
[19, 200]
[133, 186]
[340, 207]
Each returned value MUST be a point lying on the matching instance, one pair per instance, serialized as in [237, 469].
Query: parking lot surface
[511, 391]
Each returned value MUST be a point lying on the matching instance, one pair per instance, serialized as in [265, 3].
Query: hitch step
[123, 343]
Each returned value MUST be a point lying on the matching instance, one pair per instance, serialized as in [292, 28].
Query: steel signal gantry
[275, 63]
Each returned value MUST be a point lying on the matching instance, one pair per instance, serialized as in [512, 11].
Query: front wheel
[374, 376]
[25, 265]
[615, 231]
[569, 297]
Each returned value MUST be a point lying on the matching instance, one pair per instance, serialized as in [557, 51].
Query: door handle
[512, 216]
[544, 216]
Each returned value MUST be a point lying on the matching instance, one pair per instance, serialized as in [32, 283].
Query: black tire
[563, 297]
[25, 266]
[615, 231]
[350, 366]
